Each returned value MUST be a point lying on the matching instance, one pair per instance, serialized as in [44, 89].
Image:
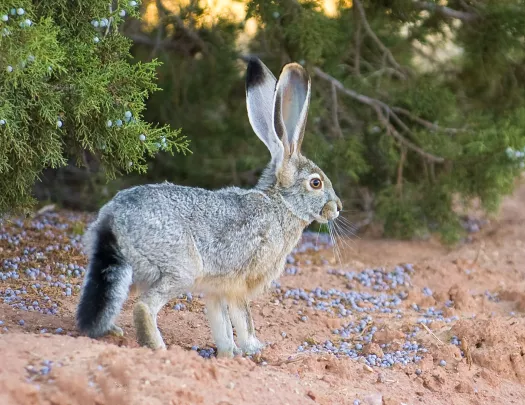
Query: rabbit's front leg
[221, 327]
[242, 320]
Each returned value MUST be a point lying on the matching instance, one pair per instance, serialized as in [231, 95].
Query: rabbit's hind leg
[147, 308]
[242, 320]
[221, 327]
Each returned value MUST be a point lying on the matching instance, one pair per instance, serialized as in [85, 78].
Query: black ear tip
[254, 72]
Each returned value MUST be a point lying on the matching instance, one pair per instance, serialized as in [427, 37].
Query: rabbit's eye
[316, 183]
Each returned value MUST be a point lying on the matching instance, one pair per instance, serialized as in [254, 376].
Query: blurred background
[417, 107]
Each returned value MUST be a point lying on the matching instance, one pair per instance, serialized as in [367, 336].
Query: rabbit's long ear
[260, 88]
[292, 98]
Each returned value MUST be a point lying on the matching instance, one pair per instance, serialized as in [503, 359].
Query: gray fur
[229, 244]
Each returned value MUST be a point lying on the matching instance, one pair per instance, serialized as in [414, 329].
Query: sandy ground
[479, 288]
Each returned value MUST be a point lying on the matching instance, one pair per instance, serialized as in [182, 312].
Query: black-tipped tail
[106, 285]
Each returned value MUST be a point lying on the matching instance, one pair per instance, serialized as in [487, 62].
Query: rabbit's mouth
[329, 212]
[320, 219]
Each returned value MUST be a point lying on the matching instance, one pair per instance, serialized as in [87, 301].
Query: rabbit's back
[228, 239]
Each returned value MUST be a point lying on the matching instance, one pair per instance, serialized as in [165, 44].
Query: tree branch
[380, 108]
[425, 123]
[357, 59]
[445, 11]
[145, 40]
[372, 34]
[400, 166]
[335, 108]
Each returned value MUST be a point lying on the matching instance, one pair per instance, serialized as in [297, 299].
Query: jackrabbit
[229, 244]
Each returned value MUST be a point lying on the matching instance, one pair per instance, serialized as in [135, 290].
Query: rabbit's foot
[225, 353]
[147, 333]
[252, 346]
[115, 330]
[228, 352]
[236, 350]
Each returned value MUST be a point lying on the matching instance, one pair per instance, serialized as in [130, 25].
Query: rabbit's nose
[339, 204]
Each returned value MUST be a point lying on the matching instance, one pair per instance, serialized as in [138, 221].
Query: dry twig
[385, 112]
[378, 106]
[372, 34]
[466, 350]
[425, 123]
[432, 334]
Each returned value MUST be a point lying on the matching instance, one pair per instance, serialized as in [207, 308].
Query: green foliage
[414, 195]
[62, 80]
[442, 121]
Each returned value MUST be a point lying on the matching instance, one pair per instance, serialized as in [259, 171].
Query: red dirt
[115, 371]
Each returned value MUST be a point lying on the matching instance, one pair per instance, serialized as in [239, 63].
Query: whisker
[344, 230]
[317, 240]
[340, 233]
[351, 211]
[337, 250]
[347, 226]
[348, 229]
[342, 238]
[333, 242]
[347, 222]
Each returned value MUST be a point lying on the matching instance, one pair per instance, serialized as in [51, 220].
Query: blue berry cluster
[343, 303]
[23, 22]
[379, 279]
[39, 281]
[472, 224]
[15, 12]
[357, 335]
[188, 297]
[431, 314]
[313, 241]
[102, 24]
[517, 156]
[291, 270]
[204, 352]
[427, 291]
[494, 297]
[455, 341]
[43, 369]
[128, 117]
[163, 144]
[388, 291]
